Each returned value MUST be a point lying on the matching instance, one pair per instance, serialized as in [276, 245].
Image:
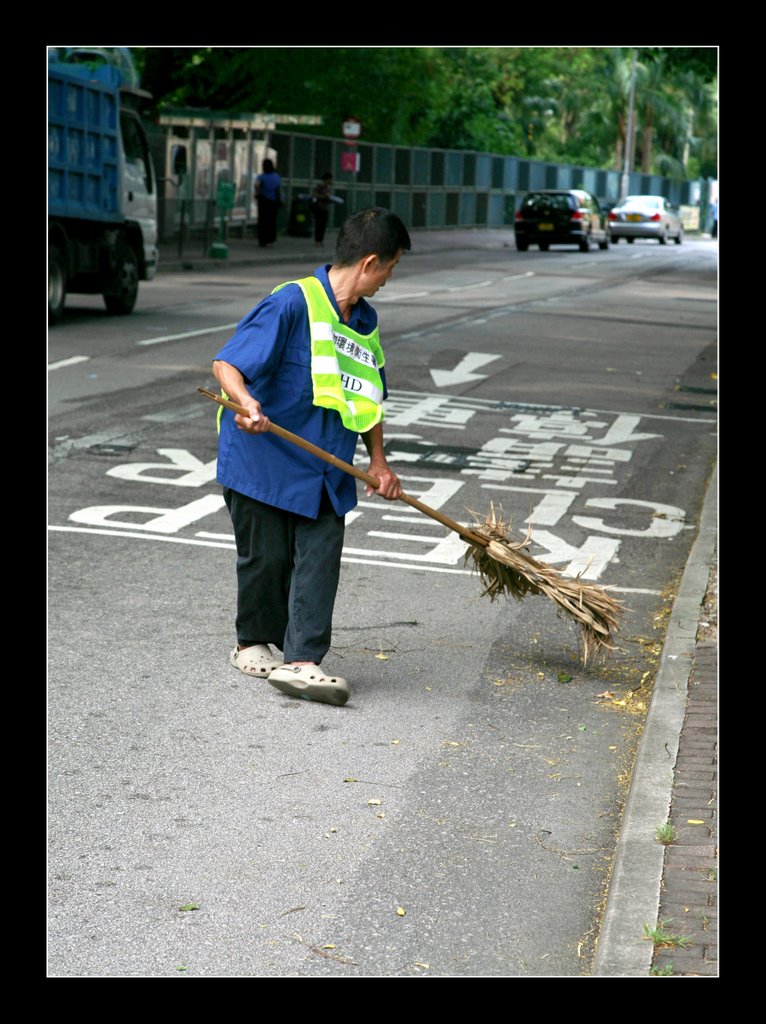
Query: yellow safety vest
[345, 365]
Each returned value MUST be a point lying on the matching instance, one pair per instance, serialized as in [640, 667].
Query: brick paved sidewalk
[689, 895]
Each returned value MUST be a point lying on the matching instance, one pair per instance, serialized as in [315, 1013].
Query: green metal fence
[427, 188]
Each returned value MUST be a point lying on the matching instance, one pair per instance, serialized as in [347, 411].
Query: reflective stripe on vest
[344, 364]
[219, 414]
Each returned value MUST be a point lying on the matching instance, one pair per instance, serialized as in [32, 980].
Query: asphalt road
[458, 818]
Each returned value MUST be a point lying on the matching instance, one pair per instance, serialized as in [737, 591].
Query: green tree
[674, 105]
[467, 109]
[388, 89]
[590, 91]
[560, 104]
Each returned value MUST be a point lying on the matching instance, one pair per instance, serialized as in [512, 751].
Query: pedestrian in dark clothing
[269, 200]
[322, 200]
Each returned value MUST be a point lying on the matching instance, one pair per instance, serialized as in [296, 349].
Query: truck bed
[83, 145]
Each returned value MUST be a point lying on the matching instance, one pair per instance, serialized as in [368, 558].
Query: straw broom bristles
[505, 568]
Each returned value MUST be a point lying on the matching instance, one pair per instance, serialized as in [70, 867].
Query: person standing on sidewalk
[269, 200]
[309, 356]
[322, 200]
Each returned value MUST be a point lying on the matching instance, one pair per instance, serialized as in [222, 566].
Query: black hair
[268, 166]
[374, 231]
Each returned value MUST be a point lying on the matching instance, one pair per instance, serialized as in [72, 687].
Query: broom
[503, 566]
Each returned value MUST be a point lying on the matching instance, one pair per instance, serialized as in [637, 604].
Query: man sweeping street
[309, 357]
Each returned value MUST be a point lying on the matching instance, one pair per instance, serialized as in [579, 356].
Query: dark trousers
[267, 220]
[321, 216]
[288, 568]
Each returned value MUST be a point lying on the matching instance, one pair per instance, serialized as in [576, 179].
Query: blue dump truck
[102, 189]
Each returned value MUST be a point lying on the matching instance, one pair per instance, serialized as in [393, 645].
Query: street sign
[349, 162]
[352, 128]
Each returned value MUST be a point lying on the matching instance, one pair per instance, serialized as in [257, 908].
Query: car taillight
[612, 215]
[518, 215]
[656, 217]
[577, 215]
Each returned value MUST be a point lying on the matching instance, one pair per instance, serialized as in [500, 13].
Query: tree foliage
[561, 104]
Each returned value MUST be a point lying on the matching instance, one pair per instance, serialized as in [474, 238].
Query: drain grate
[112, 448]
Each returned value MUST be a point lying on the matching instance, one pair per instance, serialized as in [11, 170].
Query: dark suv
[551, 216]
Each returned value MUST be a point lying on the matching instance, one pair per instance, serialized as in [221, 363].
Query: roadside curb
[634, 890]
[238, 258]
[246, 252]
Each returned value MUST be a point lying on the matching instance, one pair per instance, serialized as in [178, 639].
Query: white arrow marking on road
[463, 372]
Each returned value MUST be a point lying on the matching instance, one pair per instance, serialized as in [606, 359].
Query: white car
[645, 217]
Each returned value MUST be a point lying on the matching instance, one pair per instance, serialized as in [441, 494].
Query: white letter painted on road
[163, 520]
[621, 432]
[550, 509]
[450, 550]
[195, 473]
[590, 559]
[667, 520]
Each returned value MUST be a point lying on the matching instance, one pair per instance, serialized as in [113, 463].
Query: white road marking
[463, 372]
[68, 362]
[402, 536]
[546, 505]
[658, 416]
[231, 546]
[409, 519]
[398, 565]
[448, 551]
[163, 520]
[467, 287]
[139, 536]
[456, 288]
[186, 334]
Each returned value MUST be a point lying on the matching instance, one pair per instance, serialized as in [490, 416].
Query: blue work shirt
[272, 350]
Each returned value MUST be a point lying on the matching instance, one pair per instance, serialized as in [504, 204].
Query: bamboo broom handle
[286, 435]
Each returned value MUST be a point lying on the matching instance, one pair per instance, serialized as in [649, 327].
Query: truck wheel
[122, 298]
[56, 285]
